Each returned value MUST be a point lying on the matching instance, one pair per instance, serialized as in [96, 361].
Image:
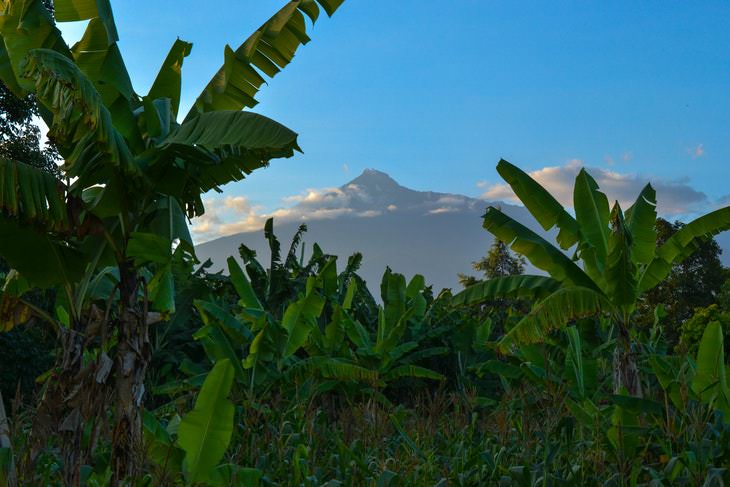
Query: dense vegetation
[125, 361]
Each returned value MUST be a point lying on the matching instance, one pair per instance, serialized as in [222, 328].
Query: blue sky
[435, 92]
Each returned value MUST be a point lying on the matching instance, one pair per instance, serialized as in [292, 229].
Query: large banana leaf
[265, 52]
[683, 244]
[102, 64]
[641, 224]
[38, 257]
[243, 286]
[7, 75]
[710, 380]
[554, 312]
[331, 368]
[168, 82]
[299, 319]
[205, 432]
[232, 134]
[82, 126]
[167, 219]
[591, 213]
[393, 293]
[620, 268]
[525, 286]
[536, 249]
[75, 10]
[25, 25]
[32, 195]
[218, 147]
[413, 371]
[541, 204]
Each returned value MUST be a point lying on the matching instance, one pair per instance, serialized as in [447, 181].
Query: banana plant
[403, 324]
[303, 320]
[132, 174]
[193, 446]
[615, 261]
[281, 313]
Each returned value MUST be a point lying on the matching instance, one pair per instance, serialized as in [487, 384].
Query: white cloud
[224, 216]
[674, 197]
[443, 209]
[451, 200]
[236, 214]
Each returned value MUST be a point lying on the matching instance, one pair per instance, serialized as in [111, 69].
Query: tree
[693, 283]
[618, 251]
[499, 262]
[20, 137]
[20, 140]
[107, 234]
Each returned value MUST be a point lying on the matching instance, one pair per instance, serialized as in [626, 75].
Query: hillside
[434, 234]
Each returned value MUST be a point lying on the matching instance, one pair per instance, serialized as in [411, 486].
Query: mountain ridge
[413, 232]
[435, 234]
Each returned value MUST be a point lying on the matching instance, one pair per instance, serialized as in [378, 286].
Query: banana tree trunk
[133, 356]
[10, 478]
[626, 377]
[76, 396]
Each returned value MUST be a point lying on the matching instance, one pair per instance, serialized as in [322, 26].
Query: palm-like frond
[641, 223]
[25, 25]
[536, 249]
[683, 244]
[541, 204]
[265, 52]
[555, 312]
[216, 148]
[76, 10]
[37, 256]
[32, 195]
[82, 126]
[620, 268]
[168, 82]
[331, 368]
[591, 213]
[523, 286]
[411, 371]
[102, 63]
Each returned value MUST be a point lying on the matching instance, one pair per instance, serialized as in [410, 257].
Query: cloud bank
[236, 214]
[674, 197]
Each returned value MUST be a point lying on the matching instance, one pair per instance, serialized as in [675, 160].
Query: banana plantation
[126, 361]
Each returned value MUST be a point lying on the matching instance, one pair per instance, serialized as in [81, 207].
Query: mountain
[425, 232]
[413, 232]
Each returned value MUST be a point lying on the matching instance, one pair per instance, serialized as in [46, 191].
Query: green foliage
[691, 331]
[205, 432]
[693, 283]
[710, 380]
[291, 372]
[133, 173]
[617, 269]
[499, 262]
[355, 401]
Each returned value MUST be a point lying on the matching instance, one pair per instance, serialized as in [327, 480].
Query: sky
[434, 93]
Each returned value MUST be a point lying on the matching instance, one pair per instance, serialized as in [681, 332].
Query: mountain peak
[375, 180]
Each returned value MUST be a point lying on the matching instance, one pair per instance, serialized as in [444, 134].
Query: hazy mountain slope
[434, 234]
